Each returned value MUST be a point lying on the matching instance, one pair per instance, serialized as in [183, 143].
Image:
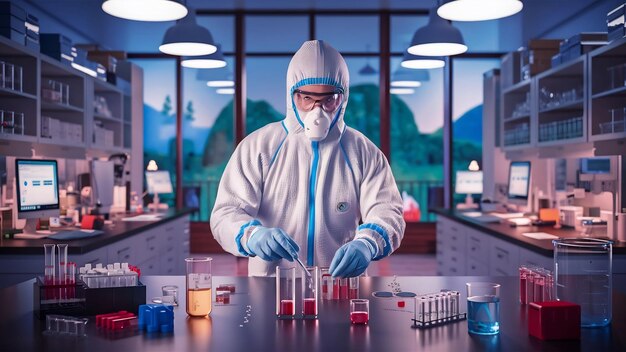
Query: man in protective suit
[300, 187]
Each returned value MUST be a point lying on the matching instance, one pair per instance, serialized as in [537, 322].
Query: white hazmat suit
[316, 191]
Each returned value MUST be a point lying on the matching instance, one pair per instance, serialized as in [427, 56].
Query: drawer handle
[454, 238]
[150, 238]
[453, 259]
[500, 256]
[473, 267]
[127, 257]
[123, 250]
[453, 270]
[454, 228]
[168, 229]
[151, 248]
[453, 248]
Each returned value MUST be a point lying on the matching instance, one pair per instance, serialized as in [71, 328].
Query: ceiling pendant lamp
[225, 91]
[217, 78]
[187, 38]
[145, 10]
[421, 62]
[404, 77]
[478, 10]
[215, 60]
[401, 91]
[437, 38]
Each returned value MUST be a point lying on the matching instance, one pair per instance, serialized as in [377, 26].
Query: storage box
[554, 320]
[12, 22]
[581, 44]
[510, 69]
[556, 60]
[12, 34]
[31, 43]
[615, 23]
[56, 46]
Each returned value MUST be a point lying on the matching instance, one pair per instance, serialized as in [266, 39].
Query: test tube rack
[435, 309]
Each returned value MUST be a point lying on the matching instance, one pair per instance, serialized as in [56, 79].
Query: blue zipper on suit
[312, 184]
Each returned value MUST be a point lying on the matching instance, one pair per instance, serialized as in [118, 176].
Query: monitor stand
[156, 205]
[469, 203]
[30, 228]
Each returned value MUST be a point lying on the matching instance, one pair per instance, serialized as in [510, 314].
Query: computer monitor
[37, 191]
[158, 182]
[469, 182]
[519, 182]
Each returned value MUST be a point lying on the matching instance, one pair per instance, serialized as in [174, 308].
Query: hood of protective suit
[316, 62]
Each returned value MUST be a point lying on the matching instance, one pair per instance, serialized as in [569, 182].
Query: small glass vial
[310, 293]
[359, 311]
[285, 293]
[327, 284]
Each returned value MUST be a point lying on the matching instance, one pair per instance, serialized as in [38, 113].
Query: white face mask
[316, 123]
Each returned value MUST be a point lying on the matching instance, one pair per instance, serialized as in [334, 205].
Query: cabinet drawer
[151, 266]
[122, 252]
[169, 264]
[504, 259]
[477, 268]
[478, 247]
[93, 258]
[148, 245]
[531, 258]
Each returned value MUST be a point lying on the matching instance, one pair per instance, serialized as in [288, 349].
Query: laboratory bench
[467, 246]
[156, 247]
[389, 329]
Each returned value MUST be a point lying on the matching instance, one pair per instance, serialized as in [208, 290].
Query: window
[339, 31]
[276, 33]
[267, 91]
[417, 142]
[159, 114]
[363, 110]
[467, 112]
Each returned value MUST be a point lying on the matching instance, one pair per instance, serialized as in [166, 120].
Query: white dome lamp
[406, 78]
[187, 38]
[478, 10]
[217, 78]
[401, 91]
[145, 10]
[421, 62]
[437, 38]
[215, 60]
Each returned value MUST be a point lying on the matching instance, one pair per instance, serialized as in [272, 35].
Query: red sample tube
[401, 304]
[310, 306]
[359, 317]
[336, 289]
[343, 289]
[287, 307]
[354, 293]
[523, 272]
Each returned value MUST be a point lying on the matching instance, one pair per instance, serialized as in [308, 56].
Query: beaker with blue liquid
[483, 308]
[583, 275]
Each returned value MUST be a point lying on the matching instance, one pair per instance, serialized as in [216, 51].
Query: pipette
[303, 266]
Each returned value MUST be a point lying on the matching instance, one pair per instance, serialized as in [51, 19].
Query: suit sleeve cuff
[377, 235]
[244, 234]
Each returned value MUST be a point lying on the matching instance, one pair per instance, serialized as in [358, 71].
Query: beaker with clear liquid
[583, 275]
[198, 285]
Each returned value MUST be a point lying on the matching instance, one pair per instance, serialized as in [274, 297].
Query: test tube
[539, 287]
[548, 287]
[72, 273]
[336, 290]
[530, 287]
[343, 289]
[49, 263]
[285, 292]
[326, 283]
[359, 311]
[310, 293]
[222, 297]
[523, 273]
[421, 303]
[62, 263]
[353, 291]
[456, 296]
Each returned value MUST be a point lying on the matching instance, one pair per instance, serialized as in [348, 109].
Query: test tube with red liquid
[353, 290]
[523, 274]
[359, 311]
[327, 284]
[62, 263]
[343, 289]
[310, 293]
[285, 292]
[336, 289]
[49, 263]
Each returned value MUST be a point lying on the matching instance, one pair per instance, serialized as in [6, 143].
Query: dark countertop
[514, 234]
[114, 232]
[389, 328]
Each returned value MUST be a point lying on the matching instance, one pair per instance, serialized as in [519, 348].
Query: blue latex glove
[352, 258]
[272, 244]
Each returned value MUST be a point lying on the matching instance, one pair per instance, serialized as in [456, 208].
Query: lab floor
[398, 264]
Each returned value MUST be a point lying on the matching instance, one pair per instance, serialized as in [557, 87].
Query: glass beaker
[483, 308]
[353, 291]
[198, 285]
[327, 284]
[359, 311]
[49, 263]
[583, 269]
[310, 293]
[285, 292]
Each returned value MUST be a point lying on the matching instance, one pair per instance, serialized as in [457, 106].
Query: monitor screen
[469, 182]
[519, 179]
[37, 185]
[158, 182]
[596, 166]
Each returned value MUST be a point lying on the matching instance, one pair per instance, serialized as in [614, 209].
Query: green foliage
[167, 106]
[189, 111]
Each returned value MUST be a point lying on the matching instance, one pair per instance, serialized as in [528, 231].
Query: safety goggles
[306, 101]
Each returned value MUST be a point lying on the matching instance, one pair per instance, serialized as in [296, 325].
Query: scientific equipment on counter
[402, 296]
[155, 318]
[483, 308]
[198, 284]
[121, 171]
[535, 284]
[439, 308]
[171, 291]
[158, 182]
[327, 284]
[310, 293]
[113, 275]
[117, 321]
[222, 297]
[65, 325]
[37, 192]
[102, 182]
[583, 275]
[555, 320]
[468, 182]
[226, 287]
[570, 214]
[519, 183]
[340, 288]
[359, 311]
[285, 293]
